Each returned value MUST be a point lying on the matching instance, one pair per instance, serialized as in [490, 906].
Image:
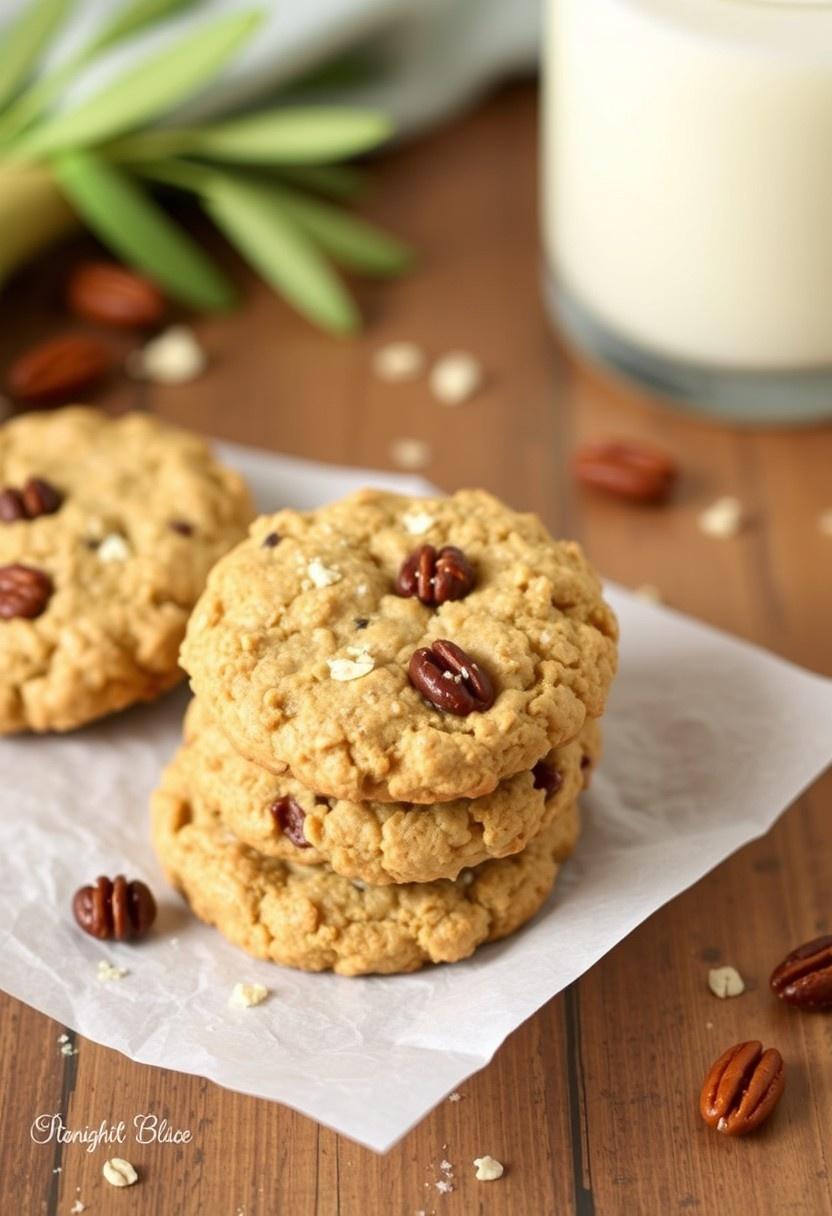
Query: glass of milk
[687, 197]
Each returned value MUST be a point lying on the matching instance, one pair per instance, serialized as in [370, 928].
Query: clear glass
[687, 190]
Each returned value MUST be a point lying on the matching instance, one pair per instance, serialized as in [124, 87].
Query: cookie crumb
[350, 669]
[173, 357]
[417, 522]
[321, 575]
[247, 995]
[398, 361]
[66, 1046]
[119, 1172]
[455, 1097]
[108, 971]
[455, 377]
[722, 519]
[78, 1207]
[725, 982]
[113, 548]
[488, 1169]
[410, 453]
[825, 522]
[650, 593]
[443, 1186]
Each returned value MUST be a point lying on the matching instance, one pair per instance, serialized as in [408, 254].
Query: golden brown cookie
[320, 647]
[375, 842]
[108, 528]
[310, 918]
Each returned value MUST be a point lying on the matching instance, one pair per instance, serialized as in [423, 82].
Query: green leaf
[34, 100]
[145, 90]
[127, 219]
[302, 136]
[350, 242]
[133, 17]
[25, 39]
[336, 181]
[253, 220]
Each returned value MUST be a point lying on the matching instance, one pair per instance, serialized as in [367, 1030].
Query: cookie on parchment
[310, 918]
[303, 645]
[108, 528]
[375, 842]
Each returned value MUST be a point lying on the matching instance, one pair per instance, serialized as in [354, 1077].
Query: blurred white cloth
[435, 56]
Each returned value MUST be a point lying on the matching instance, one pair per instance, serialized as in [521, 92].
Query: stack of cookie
[395, 712]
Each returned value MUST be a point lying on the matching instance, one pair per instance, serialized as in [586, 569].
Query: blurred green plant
[263, 178]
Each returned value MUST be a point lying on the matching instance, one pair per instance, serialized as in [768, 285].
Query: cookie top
[375, 842]
[108, 528]
[310, 918]
[303, 645]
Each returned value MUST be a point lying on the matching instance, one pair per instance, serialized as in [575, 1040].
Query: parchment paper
[707, 741]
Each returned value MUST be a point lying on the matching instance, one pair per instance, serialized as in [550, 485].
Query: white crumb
[650, 593]
[174, 357]
[488, 1169]
[113, 548]
[722, 519]
[119, 1172]
[321, 575]
[398, 361]
[350, 669]
[410, 453]
[725, 982]
[108, 971]
[417, 522]
[455, 377]
[247, 995]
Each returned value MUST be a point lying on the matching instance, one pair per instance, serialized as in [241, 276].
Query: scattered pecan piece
[626, 469]
[24, 591]
[112, 295]
[57, 369]
[804, 978]
[450, 679]
[742, 1088]
[436, 576]
[116, 908]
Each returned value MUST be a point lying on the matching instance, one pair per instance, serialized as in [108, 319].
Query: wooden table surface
[592, 1103]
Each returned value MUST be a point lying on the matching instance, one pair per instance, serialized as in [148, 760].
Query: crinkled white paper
[707, 741]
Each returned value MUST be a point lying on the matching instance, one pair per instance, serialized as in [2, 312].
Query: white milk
[688, 175]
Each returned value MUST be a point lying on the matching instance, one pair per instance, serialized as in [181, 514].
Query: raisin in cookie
[310, 918]
[375, 842]
[108, 528]
[399, 649]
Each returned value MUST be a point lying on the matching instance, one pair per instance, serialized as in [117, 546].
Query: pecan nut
[626, 469]
[116, 908]
[804, 978]
[289, 816]
[742, 1088]
[112, 295]
[547, 778]
[12, 506]
[24, 591]
[436, 576]
[450, 679]
[38, 497]
[41, 498]
[57, 369]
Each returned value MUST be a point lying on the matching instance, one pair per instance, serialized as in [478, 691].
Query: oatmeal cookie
[401, 650]
[108, 528]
